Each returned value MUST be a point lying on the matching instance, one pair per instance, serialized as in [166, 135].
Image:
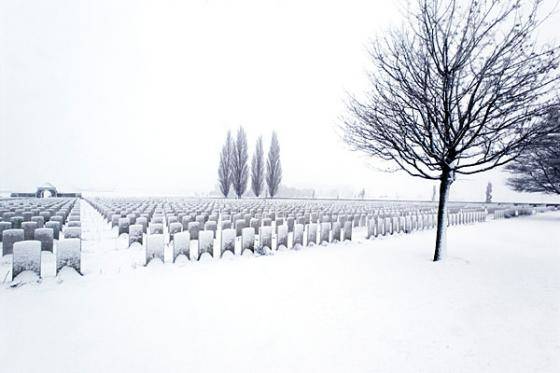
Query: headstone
[282, 236]
[74, 224]
[347, 231]
[205, 243]
[72, 232]
[181, 245]
[265, 237]
[135, 234]
[124, 223]
[239, 225]
[9, 238]
[255, 224]
[16, 221]
[174, 228]
[298, 235]
[55, 226]
[371, 231]
[46, 237]
[325, 232]
[26, 257]
[4, 225]
[28, 229]
[155, 228]
[69, 253]
[248, 239]
[312, 233]
[194, 228]
[335, 232]
[143, 221]
[40, 220]
[228, 241]
[290, 221]
[115, 220]
[211, 226]
[154, 247]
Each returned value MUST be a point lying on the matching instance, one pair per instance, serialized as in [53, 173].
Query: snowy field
[366, 306]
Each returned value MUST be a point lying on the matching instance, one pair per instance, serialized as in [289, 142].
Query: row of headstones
[141, 225]
[377, 225]
[209, 215]
[27, 256]
[520, 211]
[26, 243]
[29, 220]
[314, 234]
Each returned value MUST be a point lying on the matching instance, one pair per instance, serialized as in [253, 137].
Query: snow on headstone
[174, 228]
[325, 232]
[40, 220]
[194, 228]
[154, 247]
[228, 241]
[347, 231]
[255, 224]
[290, 222]
[55, 226]
[388, 226]
[72, 232]
[265, 238]
[156, 228]
[205, 243]
[211, 226]
[371, 225]
[335, 232]
[380, 225]
[135, 234]
[124, 223]
[143, 222]
[46, 237]
[4, 225]
[115, 220]
[298, 235]
[131, 218]
[27, 257]
[282, 236]
[311, 233]
[28, 229]
[239, 225]
[181, 245]
[248, 239]
[9, 238]
[69, 254]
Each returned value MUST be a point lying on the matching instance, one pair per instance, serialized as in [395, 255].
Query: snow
[375, 305]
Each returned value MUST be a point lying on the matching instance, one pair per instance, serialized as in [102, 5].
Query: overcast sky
[136, 96]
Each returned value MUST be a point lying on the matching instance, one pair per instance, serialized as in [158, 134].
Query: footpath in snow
[379, 305]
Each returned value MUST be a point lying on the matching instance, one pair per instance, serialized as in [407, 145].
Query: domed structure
[46, 190]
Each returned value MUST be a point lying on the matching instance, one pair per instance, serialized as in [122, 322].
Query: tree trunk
[447, 178]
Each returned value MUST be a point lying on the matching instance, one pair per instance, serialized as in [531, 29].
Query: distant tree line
[233, 168]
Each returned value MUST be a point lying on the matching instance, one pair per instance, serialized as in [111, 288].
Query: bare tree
[538, 168]
[257, 168]
[239, 167]
[224, 168]
[489, 192]
[457, 90]
[273, 167]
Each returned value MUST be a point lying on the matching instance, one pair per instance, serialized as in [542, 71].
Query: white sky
[136, 96]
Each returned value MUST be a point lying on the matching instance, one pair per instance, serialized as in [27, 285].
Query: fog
[136, 97]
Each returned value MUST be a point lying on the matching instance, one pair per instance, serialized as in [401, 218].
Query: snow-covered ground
[375, 306]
